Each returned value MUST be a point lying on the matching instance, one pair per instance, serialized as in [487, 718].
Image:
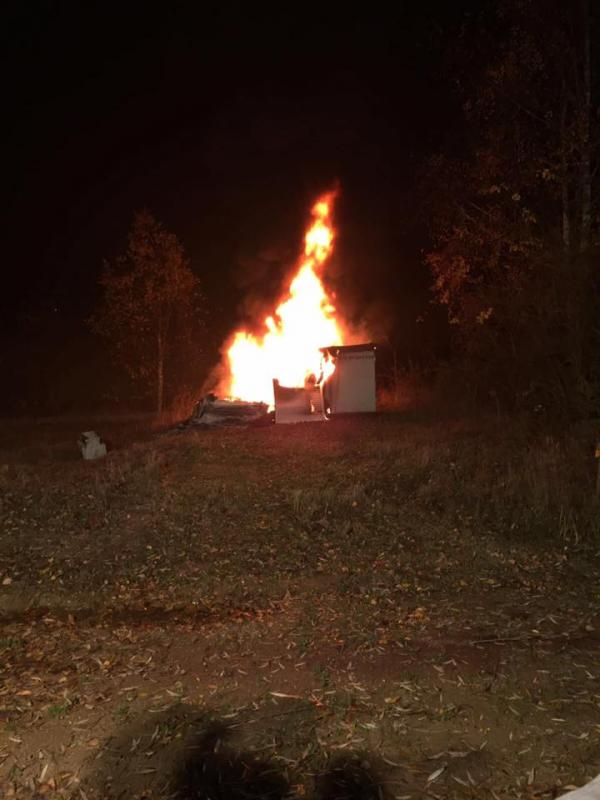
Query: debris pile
[213, 411]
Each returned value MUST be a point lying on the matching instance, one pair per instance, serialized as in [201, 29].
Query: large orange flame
[303, 322]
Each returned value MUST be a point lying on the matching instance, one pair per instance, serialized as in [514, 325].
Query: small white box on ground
[91, 446]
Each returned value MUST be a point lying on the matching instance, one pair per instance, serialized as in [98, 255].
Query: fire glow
[304, 321]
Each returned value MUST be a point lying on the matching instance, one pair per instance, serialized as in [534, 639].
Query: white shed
[351, 388]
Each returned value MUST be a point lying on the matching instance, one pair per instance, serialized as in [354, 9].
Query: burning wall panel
[297, 404]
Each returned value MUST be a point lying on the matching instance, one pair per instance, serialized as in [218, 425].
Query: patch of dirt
[286, 611]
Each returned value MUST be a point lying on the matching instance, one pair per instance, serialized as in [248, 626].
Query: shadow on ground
[211, 768]
[350, 777]
[187, 755]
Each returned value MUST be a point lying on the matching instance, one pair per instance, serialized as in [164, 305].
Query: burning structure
[306, 363]
[351, 386]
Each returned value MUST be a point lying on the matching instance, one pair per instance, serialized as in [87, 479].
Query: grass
[59, 709]
[412, 593]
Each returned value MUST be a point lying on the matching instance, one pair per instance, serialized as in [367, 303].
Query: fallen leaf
[435, 775]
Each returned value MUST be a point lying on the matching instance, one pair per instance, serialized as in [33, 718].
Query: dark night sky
[225, 121]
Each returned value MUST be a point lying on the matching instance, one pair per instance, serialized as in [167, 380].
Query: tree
[514, 220]
[151, 304]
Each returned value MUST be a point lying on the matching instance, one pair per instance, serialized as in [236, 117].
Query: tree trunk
[564, 180]
[160, 374]
[566, 223]
[586, 172]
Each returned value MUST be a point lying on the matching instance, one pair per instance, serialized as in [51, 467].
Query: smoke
[261, 279]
